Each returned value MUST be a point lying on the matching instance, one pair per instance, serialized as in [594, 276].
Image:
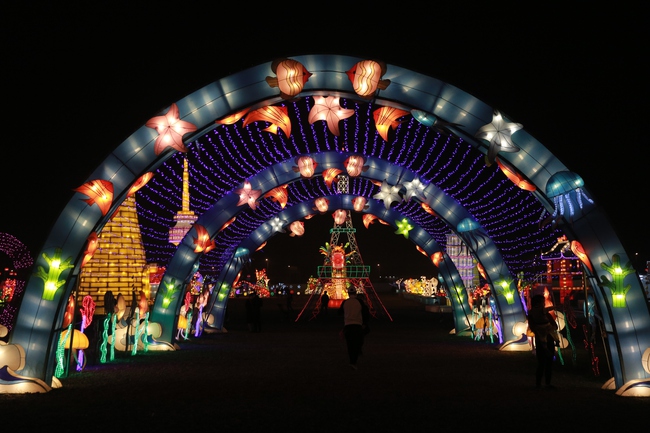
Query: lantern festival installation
[290, 78]
[171, 130]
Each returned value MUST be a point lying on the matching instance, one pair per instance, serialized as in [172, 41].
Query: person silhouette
[324, 303]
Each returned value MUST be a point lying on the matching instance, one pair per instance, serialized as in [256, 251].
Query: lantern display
[279, 195]
[142, 181]
[322, 204]
[170, 130]
[359, 204]
[329, 110]
[515, 177]
[339, 216]
[290, 77]
[354, 165]
[499, 134]
[100, 192]
[297, 228]
[277, 116]
[330, 175]
[366, 77]
[202, 240]
[91, 246]
[306, 166]
[233, 118]
[386, 118]
[248, 195]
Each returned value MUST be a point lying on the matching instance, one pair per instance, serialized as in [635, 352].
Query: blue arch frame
[628, 328]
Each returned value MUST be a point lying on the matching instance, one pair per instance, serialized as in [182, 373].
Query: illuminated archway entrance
[408, 126]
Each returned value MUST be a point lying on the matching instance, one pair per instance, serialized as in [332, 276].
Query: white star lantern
[414, 188]
[277, 225]
[388, 194]
[499, 134]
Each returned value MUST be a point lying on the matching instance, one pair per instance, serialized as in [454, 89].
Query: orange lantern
[579, 251]
[515, 177]
[291, 76]
[329, 175]
[366, 77]
[279, 195]
[297, 228]
[385, 118]
[306, 166]
[428, 209]
[436, 258]
[100, 191]
[276, 116]
[91, 247]
[354, 165]
[202, 240]
[417, 247]
[227, 223]
[339, 216]
[142, 181]
[322, 204]
[359, 204]
[233, 118]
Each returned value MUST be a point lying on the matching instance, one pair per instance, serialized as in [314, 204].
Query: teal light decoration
[60, 354]
[103, 347]
[618, 274]
[506, 289]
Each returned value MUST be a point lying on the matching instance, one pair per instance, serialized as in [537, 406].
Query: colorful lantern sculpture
[515, 177]
[306, 166]
[386, 118]
[437, 257]
[414, 188]
[565, 188]
[365, 77]
[100, 192]
[297, 228]
[52, 275]
[279, 195]
[91, 246]
[142, 181]
[471, 233]
[506, 289]
[233, 118]
[499, 134]
[388, 194]
[428, 209]
[618, 274]
[359, 204]
[248, 195]
[290, 77]
[321, 204]
[354, 165]
[339, 216]
[403, 227]
[202, 240]
[276, 116]
[330, 174]
[170, 130]
[329, 110]
[579, 251]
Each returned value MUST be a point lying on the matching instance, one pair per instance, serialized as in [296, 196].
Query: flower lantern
[203, 242]
[329, 110]
[248, 195]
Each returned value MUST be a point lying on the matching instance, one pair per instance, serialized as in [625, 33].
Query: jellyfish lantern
[471, 233]
[565, 188]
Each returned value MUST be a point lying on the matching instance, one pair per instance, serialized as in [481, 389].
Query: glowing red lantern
[100, 191]
[579, 251]
[436, 258]
[202, 240]
[515, 177]
[142, 181]
[276, 116]
[91, 247]
[233, 118]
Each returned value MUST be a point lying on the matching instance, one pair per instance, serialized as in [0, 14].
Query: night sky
[77, 83]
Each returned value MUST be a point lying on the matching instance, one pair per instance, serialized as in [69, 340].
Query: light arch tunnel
[457, 125]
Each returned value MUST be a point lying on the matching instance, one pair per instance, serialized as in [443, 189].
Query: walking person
[352, 311]
[324, 303]
[542, 324]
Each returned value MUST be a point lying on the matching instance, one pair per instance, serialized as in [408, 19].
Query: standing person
[352, 312]
[324, 303]
[542, 324]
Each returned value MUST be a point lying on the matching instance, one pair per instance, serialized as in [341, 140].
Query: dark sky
[77, 82]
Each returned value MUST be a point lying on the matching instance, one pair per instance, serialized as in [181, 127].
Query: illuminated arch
[462, 116]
